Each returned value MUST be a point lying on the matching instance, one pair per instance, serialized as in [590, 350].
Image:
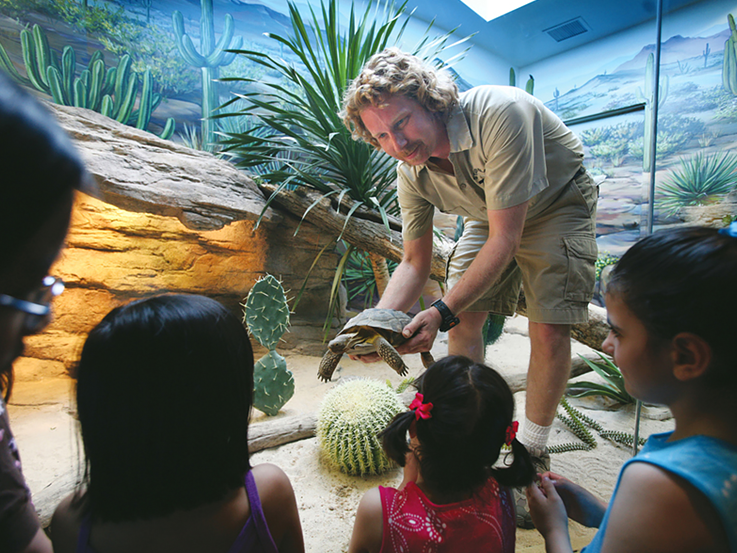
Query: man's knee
[472, 323]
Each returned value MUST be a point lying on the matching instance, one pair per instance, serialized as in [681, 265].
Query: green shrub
[700, 180]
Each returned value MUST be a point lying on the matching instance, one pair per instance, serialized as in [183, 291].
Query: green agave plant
[701, 179]
[301, 139]
[612, 388]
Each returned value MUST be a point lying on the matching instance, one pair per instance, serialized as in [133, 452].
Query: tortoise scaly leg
[387, 352]
[328, 364]
[427, 359]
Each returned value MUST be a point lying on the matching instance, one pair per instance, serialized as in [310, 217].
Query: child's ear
[691, 356]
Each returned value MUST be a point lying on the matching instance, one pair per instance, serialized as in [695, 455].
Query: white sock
[534, 437]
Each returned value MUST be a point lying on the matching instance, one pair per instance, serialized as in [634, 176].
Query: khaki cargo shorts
[554, 264]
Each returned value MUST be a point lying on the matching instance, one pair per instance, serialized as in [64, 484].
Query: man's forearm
[482, 273]
[404, 288]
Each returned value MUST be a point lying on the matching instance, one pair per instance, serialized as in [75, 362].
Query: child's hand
[547, 508]
[581, 505]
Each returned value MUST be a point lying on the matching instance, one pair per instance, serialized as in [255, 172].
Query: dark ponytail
[520, 472]
[472, 410]
[394, 437]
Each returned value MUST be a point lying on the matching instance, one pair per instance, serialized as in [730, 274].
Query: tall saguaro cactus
[648, 96]
[209, 59]
[729, 67]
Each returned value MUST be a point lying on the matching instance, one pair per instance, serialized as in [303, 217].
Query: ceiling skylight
[491, 9]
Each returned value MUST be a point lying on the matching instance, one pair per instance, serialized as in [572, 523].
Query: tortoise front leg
[328, 364]
[387, 352]
[427, 359]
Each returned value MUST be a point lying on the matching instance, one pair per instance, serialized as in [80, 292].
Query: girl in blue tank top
[669, 305]
[164, 391]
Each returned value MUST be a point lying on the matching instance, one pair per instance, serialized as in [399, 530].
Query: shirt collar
[459, 134]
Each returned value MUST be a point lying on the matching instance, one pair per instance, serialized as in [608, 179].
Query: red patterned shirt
[414, 524]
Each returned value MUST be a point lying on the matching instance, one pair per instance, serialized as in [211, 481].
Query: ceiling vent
[567, 30]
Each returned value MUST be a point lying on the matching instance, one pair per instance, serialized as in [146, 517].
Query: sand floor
[42, 421]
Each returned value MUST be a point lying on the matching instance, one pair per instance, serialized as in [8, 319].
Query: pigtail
[520, 472]
[394, 437]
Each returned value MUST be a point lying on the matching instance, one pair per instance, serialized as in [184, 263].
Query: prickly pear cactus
[350, 417]
[266, 314]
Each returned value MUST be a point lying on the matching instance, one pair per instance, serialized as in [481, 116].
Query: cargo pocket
[581, 252]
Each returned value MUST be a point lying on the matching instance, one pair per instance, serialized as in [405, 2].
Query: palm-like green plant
[301, 139]
[701, 179]
[613, 386]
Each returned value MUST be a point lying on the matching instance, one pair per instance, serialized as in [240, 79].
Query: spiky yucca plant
[302, 138]
[701, 180]
[612, 388]
[348, 421]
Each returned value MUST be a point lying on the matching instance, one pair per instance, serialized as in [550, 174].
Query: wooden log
[365, 234]
[280, 431]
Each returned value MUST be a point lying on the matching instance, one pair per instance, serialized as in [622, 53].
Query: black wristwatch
[449, 320]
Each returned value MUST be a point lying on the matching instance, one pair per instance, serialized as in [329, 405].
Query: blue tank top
[253, 538]
[708, 464]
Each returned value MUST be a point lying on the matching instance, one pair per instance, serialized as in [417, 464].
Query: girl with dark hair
[668, 303]
[164, 390]
[452, 498]
[40, 170]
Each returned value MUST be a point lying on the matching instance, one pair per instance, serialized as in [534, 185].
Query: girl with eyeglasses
[39, 170]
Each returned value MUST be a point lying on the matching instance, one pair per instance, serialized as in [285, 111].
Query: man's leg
[547, 375]
[549, 370]
[466, 338]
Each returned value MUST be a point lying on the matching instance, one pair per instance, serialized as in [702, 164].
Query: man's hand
[421, 331]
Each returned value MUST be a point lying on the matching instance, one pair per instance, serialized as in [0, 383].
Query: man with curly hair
[499, 158]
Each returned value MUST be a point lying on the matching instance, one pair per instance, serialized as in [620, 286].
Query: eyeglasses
[39, 303]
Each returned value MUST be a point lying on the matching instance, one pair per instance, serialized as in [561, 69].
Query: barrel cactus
[266, 314]
[348, 421]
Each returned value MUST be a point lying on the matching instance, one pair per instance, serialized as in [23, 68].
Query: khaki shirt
[506, 148]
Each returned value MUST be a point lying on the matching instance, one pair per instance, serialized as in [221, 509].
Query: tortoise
[373, 330]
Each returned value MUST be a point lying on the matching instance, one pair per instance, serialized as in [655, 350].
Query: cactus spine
[266, 314]
[348, 421]
[209, 59]
[110, 91]
[729, 66]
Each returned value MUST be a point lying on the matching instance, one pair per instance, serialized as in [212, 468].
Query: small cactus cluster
[266, 314]
[111, 91]
[348, 421]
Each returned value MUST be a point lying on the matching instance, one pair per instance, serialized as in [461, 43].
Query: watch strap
[448, 319]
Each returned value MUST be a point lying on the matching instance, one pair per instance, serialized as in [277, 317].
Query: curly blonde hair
[393, 72]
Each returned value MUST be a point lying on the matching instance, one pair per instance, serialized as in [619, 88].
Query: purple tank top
[253, 538]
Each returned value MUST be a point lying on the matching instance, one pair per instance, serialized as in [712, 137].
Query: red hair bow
[422, 410]
[511, 433]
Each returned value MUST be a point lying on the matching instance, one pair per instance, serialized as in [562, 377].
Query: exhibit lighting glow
[491, 9]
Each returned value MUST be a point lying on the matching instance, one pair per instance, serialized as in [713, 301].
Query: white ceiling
[520, 37]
